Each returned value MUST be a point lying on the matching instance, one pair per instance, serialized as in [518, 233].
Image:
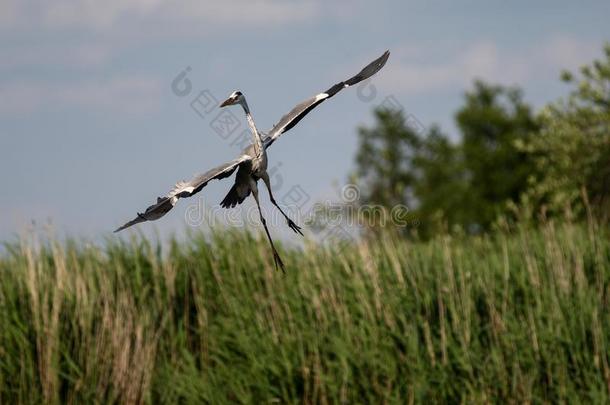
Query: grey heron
[251, 165]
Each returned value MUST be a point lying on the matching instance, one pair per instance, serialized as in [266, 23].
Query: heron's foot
[278, 261]
[294, 227]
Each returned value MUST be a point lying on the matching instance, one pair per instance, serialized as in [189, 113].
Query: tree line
[508, 162]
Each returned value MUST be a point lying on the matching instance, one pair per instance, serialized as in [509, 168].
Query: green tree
[493, 122]
[467, 183]
[384, 160]
[442, 188]
[572, 151]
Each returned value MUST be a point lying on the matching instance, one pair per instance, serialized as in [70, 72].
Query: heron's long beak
[227, 102]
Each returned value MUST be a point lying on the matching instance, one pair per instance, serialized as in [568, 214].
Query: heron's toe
[278, 261]
[295, 227]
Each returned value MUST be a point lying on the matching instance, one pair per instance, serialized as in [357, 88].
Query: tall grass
[515, 317]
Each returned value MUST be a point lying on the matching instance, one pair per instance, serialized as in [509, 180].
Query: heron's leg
[276, 256]
[291, 223]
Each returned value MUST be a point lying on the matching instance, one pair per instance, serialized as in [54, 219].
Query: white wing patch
[189, 186]
[180, 187]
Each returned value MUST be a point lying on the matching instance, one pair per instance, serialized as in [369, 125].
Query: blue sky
[91, 131]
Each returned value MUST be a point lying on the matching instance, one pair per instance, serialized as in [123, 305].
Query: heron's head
[235, 98]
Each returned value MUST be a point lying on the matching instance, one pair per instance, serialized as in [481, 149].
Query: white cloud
[414, 77]
[569, 53]
[80, 55]
[108, 27]
[124, 94]
[110, 14]
[93, 14]
[484, 60]
[9, 12]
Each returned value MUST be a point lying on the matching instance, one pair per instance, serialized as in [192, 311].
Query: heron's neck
[256, 136]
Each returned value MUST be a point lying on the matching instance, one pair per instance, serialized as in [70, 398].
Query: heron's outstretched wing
[184, 189]
[297, 113]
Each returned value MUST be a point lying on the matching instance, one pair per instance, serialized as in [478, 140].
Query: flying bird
[251, 165]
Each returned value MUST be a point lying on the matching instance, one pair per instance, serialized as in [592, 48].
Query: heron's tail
[235, 196]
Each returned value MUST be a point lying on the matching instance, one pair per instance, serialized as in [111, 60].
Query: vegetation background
[506, 159]
[500, 294]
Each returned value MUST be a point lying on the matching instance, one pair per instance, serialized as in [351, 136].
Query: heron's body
[250, 171]
[259, 165]
[251, 165]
